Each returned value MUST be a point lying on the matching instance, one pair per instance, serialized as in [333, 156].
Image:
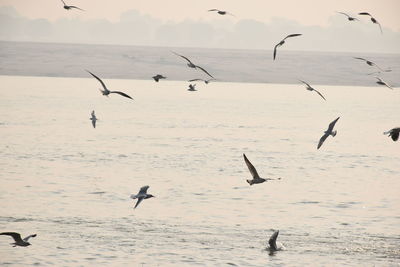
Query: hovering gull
[221, 12]
[191, 65]
[350, 18]
[283, 41]
[70, 7]
[328, 132]
[141, 195]
[18, 240]
[106, 92]
[205, 81]
[370, 63]
[256, 178]
[273, 246]
[158, 77]
[393, 133]
[382, 82]
[372, 19]
[192, 87]
[309, 88]
[93, 119]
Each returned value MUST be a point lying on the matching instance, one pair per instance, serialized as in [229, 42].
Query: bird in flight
[221, 12]
[93, 119]
[205, 81]
[273, 246]
[350, 18]
[372, 19]
[106, 92]
[191, 65]
[382, 82]
[309, 88]
[158, 77]
[256, 178]
[393, 133]
[192, 87]
[141, 195]
[18, 240]
[70, 7]
[328, 133]
[370, 63]
[283, 41]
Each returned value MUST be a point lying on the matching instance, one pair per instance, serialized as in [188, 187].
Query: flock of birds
[256, 179]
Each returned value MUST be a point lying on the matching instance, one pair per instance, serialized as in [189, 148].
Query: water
[136, 62]
[70, 183]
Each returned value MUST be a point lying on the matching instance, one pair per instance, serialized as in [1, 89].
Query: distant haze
[142, 26]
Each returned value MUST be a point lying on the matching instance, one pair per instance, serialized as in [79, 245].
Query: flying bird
[256, 178]
[283, 41]
[192, 87]
[93, 119]
[273, 245]
[370, 63]
[350, 18]
[18, 240]
[205, 81]
[158, 77]
[382, 82]
[221, 12]
[141, 195]
[106, 92]
[70, 7]
[309, 88]
[372, 19]
[190, 64]
[393, 133]
[328, 133]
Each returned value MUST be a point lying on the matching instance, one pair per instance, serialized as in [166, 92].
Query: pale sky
[306, 12]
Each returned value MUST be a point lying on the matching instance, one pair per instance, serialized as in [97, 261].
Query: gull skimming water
[309, 88]
[273, 245]
[141, 195]
[93, 119]
[192, 87]
[283, 41]
[18, 240]
[158, 77]
[106, 92]
[328, 132]
[256, 178]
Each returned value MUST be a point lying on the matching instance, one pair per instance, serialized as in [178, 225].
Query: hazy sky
[258, 23]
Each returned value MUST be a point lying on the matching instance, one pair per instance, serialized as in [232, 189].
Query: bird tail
[388, 132]
[250, 182]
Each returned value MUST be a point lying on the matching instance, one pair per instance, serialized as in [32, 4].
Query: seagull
[283, 41]
[158, 77]
[70, 7]
[192, 87]
[106, 92]
[382, 82]
[328, 132]
[256, 178]
[309, 88]
[370, 63]
[273, 246]
[205, 81]
[191, 65]
[93, 119]
[393, 133]
[221, 12]
[350, 18]
[18, 240]
[141, 195]
[372, 19]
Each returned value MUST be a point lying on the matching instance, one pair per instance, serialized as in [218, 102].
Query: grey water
[228, 65]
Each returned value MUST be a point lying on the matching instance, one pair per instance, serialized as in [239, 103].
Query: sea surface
[70, 183]
[226, 65]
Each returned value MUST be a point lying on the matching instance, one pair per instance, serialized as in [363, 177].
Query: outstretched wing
[140, 199]
[143, 190]
[332, 124]
[343, 13]
[63, 2]
[272, 240]
[76, 8]
[306, 83]
[29, 236]
[121, 93]
[292, 35]
[193, 80]
[94, 123]
[188, 60]
[320, 94]
[213, 10]
[252, 170]
[15, 236]
[364, 13]
[275, 50]
[380, 27]
[360, 58]
[102, 84]
[322, 140]
[204, 71]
